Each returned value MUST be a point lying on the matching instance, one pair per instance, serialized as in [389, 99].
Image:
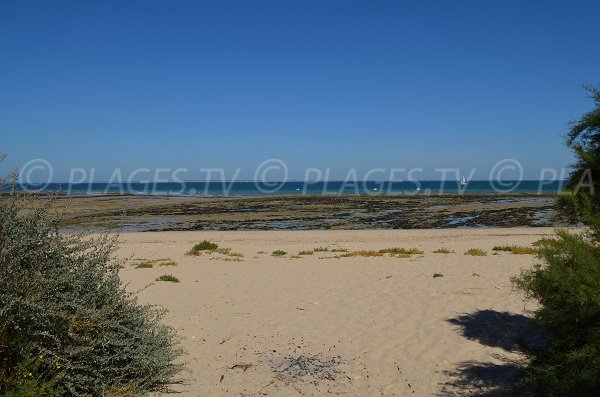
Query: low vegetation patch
[476, 252]
[361, 253]
[443, 251]
[516, 249]
[401, 251]
[143, 263]
[321, 249]
[306, 252]
[278, 253]
[202, 246]
[211, 248]
[168, 277]
[226, 259]
[436, 275]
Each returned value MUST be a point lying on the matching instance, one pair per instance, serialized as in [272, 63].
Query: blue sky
[334, 84]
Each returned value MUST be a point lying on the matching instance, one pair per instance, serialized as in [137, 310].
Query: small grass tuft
[476, 252]
[401, 251]
[364, 253]
[321, 249]
[278, 253]
[516, 249]
[306, 252]
[205, 245]
[168, 277]
[443, 251]
[211, 248]
[143, 263]
[436, 275]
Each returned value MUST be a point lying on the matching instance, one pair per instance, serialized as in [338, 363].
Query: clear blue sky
[324, 83]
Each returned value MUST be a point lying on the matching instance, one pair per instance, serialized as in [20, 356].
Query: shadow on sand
[508, 331]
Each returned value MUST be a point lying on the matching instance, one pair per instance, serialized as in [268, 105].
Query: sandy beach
[329, 323]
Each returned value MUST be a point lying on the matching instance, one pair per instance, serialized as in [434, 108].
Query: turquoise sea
[249, 188]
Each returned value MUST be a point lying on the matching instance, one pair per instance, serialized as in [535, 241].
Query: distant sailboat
[463, 181]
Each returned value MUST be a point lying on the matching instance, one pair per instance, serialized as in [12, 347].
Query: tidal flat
[151, 213]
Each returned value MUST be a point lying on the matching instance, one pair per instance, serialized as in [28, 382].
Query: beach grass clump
[363, 253]
[401, 251]
[443, 251]
[505, 248]
[205, 245]
[142, 263]
[168, 277]
[519, 250]
[226, 259]
[476, 252]
[322, 249]
[212, 248]
[437, 275]
[305, 252]
[516, 249]
[278, 253]
[68, 325]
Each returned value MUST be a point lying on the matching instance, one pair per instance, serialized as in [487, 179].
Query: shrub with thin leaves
[567, 286]
[65, 317]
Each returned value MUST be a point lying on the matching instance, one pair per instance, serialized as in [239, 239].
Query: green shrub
[437, 275]
[61, 299]
[278, 253]
[567, 286]
[443, 251]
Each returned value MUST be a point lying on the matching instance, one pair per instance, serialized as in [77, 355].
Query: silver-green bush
[66, 319]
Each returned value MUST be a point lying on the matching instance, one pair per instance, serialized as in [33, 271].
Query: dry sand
[355, 326]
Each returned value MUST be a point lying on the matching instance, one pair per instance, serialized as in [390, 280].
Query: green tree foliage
[567, 282]
[584, 181]
[67, 324]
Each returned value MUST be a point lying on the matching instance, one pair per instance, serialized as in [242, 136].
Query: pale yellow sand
[392, 326]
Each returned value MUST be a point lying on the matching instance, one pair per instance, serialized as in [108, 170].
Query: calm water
[214, 189]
